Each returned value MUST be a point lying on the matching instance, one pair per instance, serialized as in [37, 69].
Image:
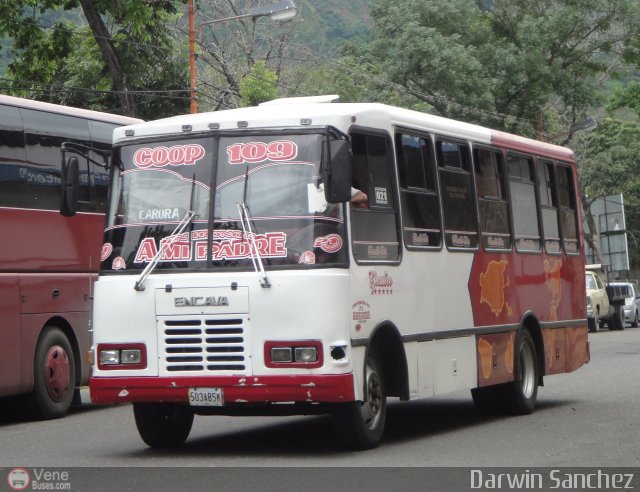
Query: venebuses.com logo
[38, 479]
[18, 479]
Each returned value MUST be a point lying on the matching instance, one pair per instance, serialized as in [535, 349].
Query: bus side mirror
[70, 187]
[337, 172]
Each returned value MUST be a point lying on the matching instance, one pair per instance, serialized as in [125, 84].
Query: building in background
[608, 215]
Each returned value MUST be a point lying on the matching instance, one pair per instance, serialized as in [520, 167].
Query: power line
[433, 99]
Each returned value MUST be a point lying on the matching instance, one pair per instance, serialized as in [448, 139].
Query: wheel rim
[57, 373]
[527, 374]
[372, 408]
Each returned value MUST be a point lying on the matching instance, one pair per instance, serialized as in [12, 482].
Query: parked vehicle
[48, 262]
[631, 303]
[605, 300]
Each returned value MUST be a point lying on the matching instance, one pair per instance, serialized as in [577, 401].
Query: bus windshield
[276, 177]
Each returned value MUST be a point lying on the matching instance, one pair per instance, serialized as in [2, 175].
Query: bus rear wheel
[360, 425]
[163, 425]
[54, 374]
[522, 393]
[518, 397]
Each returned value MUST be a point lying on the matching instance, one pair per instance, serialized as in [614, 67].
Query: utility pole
[192, 57]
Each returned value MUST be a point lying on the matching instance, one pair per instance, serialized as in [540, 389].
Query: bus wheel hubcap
[57, 373]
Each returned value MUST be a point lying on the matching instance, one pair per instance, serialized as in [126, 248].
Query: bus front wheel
[163, 425]
[54, 376]
[359, 425]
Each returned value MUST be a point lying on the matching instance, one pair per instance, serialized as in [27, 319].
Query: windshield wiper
[170, 239]
[245, 220]
[256, 259]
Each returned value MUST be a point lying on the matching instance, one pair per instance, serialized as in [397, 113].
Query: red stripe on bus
[249, 389]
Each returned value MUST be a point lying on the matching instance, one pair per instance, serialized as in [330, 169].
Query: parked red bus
[48, 262]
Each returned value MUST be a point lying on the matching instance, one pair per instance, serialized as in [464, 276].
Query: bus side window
[422, 224]
[524, 206]
[548, 205]
[458, 199]
[101, 138]
[44, 156]
[374, 229]
[492, 200]
[14, 173]
[568, 209]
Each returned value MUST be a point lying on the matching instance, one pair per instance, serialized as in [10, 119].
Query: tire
[594, 323]
[163, 425]
[54, 373]
[522, 394]
[620, 315]
[518, 397]
[634, 323]
[616, 321]
[360, 425]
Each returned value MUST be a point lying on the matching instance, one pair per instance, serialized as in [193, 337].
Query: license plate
[206, 397]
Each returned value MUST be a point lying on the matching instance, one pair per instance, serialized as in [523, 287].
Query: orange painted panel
[577, 347]
[555, 346]
[495, 358]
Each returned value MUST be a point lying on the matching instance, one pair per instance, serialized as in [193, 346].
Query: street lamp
[278, 11]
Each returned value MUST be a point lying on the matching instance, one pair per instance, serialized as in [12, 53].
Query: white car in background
[631, 303]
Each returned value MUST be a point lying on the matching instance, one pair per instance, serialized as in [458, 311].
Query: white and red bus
[237, 277]
[48, 262]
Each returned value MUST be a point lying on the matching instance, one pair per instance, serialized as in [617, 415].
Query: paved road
[587, 418]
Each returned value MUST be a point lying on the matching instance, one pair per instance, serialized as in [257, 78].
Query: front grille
[203, 344]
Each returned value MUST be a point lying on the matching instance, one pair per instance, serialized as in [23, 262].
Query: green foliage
[610, 161]
[627, 97]
[260, 85]
[497, 67]
[59, 61]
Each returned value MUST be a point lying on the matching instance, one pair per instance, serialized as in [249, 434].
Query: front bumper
[236, 389]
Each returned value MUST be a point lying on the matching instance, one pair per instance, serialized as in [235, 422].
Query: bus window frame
[440, 165]
[394, 205]
[540, 237]
[504, 177]
[554, 191]
[399, 131]
[571, 167]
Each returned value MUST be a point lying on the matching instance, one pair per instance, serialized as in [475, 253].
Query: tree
[609, 164]
[124, 45]
[259, 86]
[505, 64]
[228, 51]
[500, 66]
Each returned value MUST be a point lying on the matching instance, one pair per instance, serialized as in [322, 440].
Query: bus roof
[68, 110]
[300, 112]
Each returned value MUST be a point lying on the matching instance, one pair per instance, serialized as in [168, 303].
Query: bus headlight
[297, 353]
[281, 354]
[130, 356]
[109, 357]
[122, 356]
[306, 354]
